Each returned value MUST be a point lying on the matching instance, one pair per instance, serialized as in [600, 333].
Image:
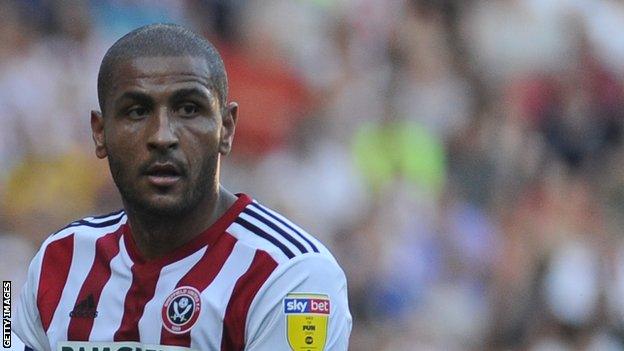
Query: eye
[137, 112]
[187, 110]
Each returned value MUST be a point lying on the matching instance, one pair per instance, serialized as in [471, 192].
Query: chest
[165, 306]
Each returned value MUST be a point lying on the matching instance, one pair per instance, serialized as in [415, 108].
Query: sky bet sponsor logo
[318, 304]
[307, 316]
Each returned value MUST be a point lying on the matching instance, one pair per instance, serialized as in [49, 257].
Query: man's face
[163, 131]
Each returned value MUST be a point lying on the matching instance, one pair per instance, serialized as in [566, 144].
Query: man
[186, 264]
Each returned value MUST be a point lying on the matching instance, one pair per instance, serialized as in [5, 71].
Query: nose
[162, 132]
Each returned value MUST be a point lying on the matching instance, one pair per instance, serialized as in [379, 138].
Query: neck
[156, 236]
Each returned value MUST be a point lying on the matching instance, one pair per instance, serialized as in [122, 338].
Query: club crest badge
[306, 321]
[181, 309]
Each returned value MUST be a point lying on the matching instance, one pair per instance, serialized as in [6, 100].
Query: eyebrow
[136, 96]
[179, 94]
[186, 92]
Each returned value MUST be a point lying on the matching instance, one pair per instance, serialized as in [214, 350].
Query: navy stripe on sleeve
[108, 215]
[95, 224]
[261, 233]
[86, 223]
[314, 248]
[275, 227]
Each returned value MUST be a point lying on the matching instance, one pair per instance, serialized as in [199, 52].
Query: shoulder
[290, 268]
[84, 231]
[90, 226]
[49, 269]
[70, 246]
[289, 258]
[305, 286]
[285, 242]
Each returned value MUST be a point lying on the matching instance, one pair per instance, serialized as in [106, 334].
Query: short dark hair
[158, 40]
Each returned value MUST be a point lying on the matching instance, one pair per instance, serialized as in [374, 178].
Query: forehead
[160, 72]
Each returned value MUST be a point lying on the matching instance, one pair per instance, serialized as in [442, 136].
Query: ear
[228, 126]
[97, 132]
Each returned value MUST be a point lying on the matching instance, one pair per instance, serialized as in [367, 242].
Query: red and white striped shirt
[252, 281]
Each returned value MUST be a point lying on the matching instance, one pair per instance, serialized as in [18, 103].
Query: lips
[163, 174]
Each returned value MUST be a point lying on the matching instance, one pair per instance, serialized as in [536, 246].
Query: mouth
[163, 174]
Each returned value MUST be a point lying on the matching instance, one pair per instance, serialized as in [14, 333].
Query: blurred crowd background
[463, 159]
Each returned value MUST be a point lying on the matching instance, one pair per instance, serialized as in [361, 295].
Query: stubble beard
[196, 191]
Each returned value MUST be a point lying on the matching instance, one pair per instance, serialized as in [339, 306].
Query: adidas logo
[85, 308]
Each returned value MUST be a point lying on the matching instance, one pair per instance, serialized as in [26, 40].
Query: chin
[161, 207]
[161, 204]
[167, 208]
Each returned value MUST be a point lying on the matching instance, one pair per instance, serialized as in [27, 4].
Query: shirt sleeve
[302, 306]
[26, 323]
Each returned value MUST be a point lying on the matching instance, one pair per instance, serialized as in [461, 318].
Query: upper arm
[26, 320]
[303, 303]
